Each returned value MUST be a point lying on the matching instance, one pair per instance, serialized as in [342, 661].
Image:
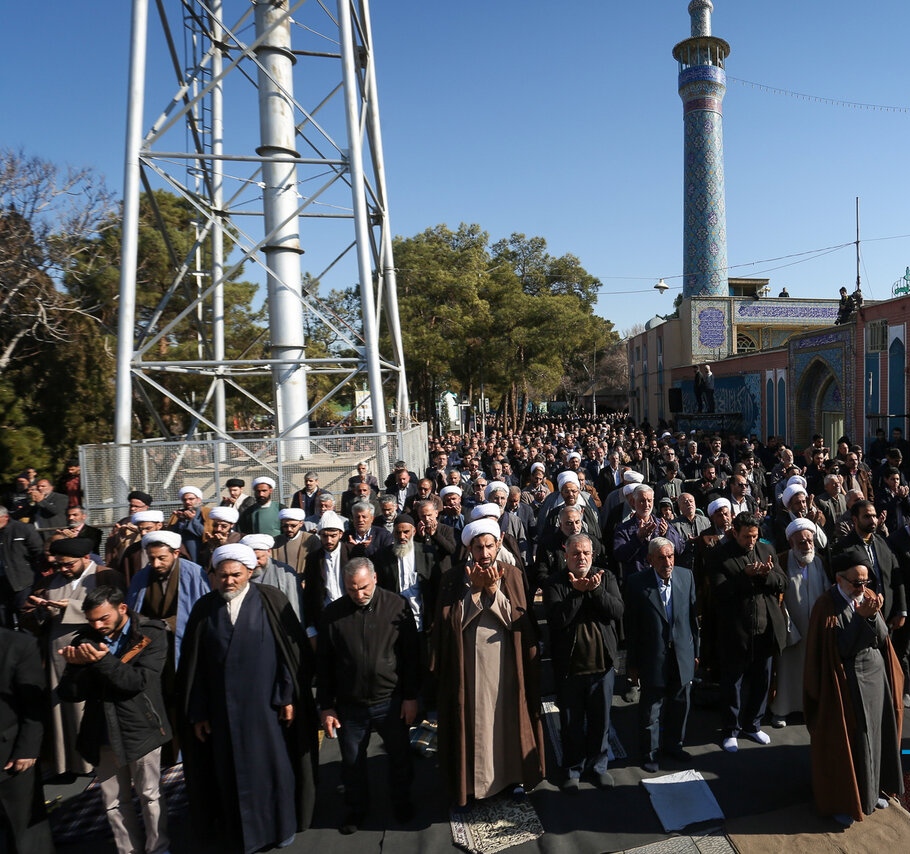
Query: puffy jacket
[124, 706]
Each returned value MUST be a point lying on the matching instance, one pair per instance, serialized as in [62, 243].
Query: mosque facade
[782, 366]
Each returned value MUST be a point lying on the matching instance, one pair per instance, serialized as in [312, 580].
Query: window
[877, 336]
[745, 343]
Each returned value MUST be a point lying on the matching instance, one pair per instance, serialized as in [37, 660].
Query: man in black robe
[250, 748]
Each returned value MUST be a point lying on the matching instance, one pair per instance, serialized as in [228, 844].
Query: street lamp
[661, 286]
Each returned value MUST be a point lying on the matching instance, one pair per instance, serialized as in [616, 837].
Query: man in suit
[23, 705]
[78, 527]
[48, 512]
[885, 572]
[662, 643]
[322, 578]
[413, 569]
[20, 553]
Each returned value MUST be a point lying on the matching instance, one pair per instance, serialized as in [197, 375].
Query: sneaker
[651, 766]
[758, 736]
[778, 722]
[882, 804]
[731, 745]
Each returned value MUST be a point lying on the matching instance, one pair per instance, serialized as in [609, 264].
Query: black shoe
[404, 812]
[605, 781]
[650, 766]
[570, 785]
[678, 753]
[351, 823]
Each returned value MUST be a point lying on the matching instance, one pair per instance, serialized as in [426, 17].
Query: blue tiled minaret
[702, 84]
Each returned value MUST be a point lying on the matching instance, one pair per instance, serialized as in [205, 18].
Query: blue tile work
[732, 394]
[702, 89]
[831, 349]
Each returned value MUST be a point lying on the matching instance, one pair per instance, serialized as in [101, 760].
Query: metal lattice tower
[271, 133]
[702, 85]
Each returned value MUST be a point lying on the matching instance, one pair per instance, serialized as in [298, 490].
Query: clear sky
[562, 120]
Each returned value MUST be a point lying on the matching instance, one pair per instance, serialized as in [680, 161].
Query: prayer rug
[495, 824]
[83, 815]
[551, 722]
[682, 799]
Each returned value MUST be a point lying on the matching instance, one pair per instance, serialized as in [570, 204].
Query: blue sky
[562, 120]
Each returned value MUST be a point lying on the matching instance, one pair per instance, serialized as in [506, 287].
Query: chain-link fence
[160, 468]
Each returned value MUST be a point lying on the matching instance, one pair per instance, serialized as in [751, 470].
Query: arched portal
[819, 405]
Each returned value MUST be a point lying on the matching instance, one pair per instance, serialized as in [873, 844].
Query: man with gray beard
[410, 569]
[808, 580]
[249, 721]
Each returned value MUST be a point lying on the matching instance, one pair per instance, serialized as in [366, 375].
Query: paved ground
[757, 780]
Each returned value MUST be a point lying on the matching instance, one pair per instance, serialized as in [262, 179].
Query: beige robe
[491, 687]
[806, 585]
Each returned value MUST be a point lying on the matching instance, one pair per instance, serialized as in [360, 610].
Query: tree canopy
[507, 318]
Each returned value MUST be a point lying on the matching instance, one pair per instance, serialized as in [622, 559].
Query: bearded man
[808, 580]
[490, 734]
[853, 685]
[249, 724]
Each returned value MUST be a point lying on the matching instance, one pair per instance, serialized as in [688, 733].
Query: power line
[819, 99]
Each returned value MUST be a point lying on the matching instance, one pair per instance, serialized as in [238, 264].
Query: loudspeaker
[675, 395]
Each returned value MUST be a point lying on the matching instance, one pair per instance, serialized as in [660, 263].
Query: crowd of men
[226, 633]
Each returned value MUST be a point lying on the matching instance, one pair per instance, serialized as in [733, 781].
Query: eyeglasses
[859, 584]
[66, 565]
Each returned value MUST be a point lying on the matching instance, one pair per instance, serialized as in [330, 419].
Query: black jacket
[566, 608]
[366, 654]
[23, 698]
[745, 603]
[21, 550]
[123, 702]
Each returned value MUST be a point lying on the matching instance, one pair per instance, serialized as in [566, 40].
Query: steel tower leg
[123, 399]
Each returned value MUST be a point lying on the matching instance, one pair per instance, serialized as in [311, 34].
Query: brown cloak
[830, 717]
[450, 667]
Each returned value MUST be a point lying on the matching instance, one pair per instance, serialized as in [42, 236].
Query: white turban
[190, 490]
[628, 489]
[797, 480]
[573, 456]
[235, 551]
[331, 521]
[224, 514]
[171, 539]
[258, 541]
[294, 513]
[266, 480]
[799, 525]
[630, 476]
[790, 491]
[482, 511]
[147, 516]
[567, 477]
[478, 527]
[717, 503]
[496, 486]
[538, 467]
[450, 490]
